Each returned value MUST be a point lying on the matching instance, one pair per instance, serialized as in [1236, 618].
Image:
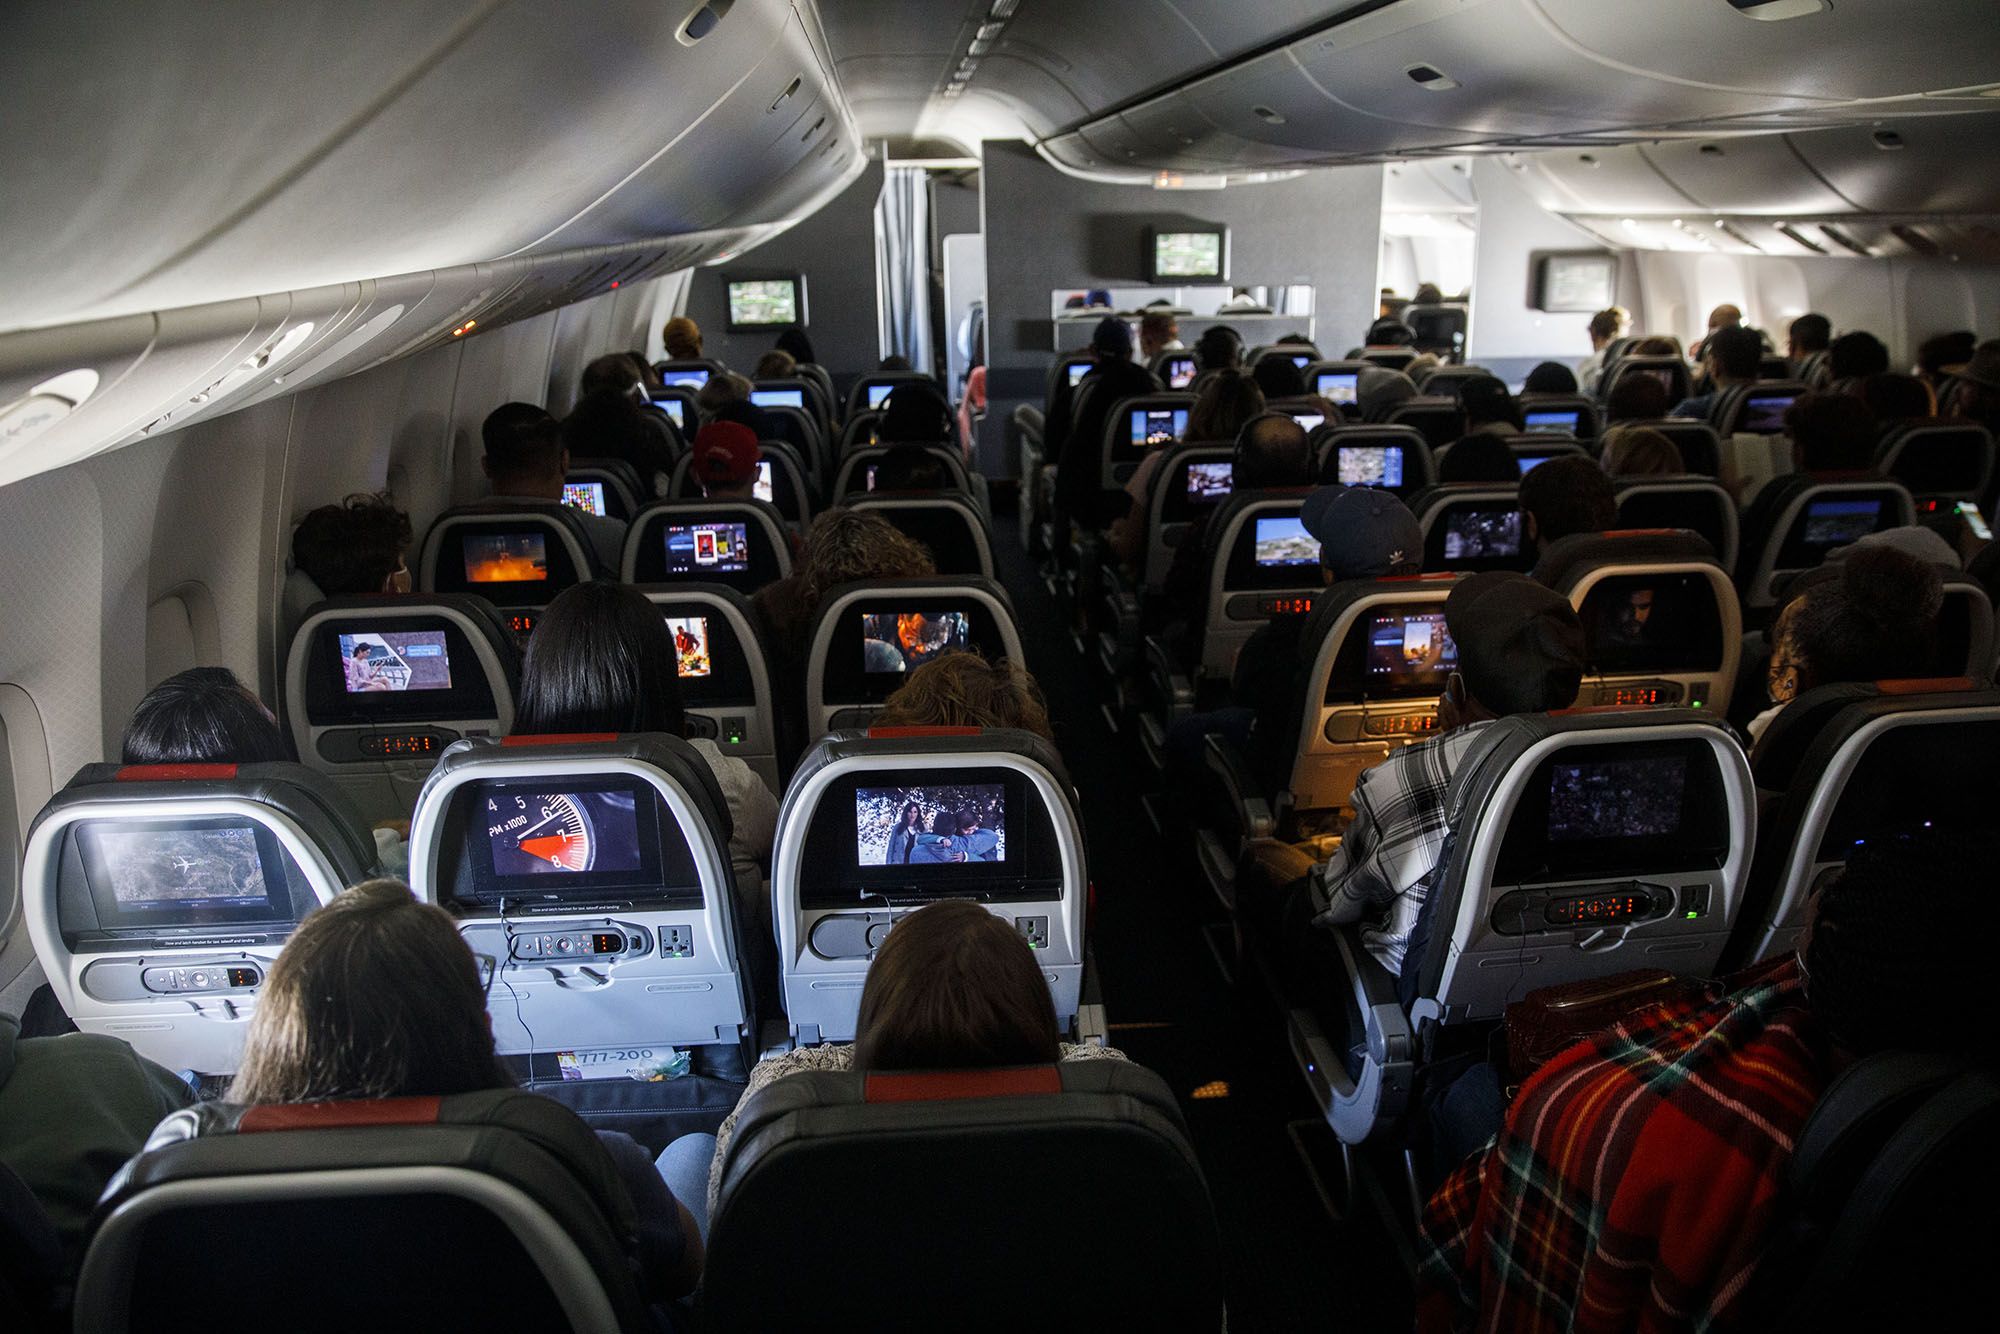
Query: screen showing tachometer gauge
[531, 831]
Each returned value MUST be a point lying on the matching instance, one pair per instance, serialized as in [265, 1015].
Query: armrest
[1176, 687]
[1092, 1023]
[1366, 1105]
[1253, 812]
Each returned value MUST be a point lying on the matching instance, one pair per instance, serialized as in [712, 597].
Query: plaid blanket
[1636, 1179]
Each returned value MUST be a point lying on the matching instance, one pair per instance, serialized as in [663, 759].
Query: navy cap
[1363, 533]
[1113, 337]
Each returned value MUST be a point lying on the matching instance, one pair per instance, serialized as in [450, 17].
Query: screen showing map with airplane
[156, 875]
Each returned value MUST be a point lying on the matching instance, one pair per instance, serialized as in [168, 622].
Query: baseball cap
[1520, 645]
[1113, 337]
[1363, 533]
[726, 453]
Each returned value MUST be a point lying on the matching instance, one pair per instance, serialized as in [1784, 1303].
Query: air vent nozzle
[701, 21]
[1777, 11]
[1431, 78]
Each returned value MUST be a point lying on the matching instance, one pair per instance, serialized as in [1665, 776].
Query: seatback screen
[211, 871]
[778, 398]
[1531, 461]
[1618, 808]
[1076, 370]
[585, 496]
[1209, 483]
[878, 392]
[1552, 423]
[675, 409]
[558, 844]
[1836, 523]
[1410, 650]
[1617, 799]
[915, 832]
[931, 826]
[902, 641]
[1308, 421]
[506, 558]
[394, 660]
[692, 656]
[1285, 542]
[1652, 623]
[1371, 465]
[1338, 387]
[1157, 426]
[1764, 414]
[1180, 372]
[708, 548]
[694, 377]
[1482, 534]
[763, 489]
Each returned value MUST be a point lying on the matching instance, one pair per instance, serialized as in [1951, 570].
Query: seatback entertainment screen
[1481, 534]
[691, 649]
[1285, 542]
[205, 872]
[394, 660]
[1764, 414]
[1615, 799]
[902, 641]
[1180, 372]
[1157, 426]
[585, 496]
[934, 825]
[1371, 465]
[1552, 423]
[1338, 387]
[1836, 523]
[1209, 483]
[506, 558]
[778, 398]
[708, 548]
[1410, 649]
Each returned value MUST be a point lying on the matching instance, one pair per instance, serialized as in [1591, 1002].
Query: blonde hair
[965, 690]
[844, 545]
[681, 337]
[1640, 451]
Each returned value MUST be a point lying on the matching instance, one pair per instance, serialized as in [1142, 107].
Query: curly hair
[965, 690]
[352, 548]
[844, 545]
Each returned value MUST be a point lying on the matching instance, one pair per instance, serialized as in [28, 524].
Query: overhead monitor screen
[1552, 423]
[934, 825]
[778, 398]
[1308, 421]
[1836, 523]
[392, 660]
[585, 496]
[765, 303]
[1158, 426]
[708, 548]
[1180, 372]
[1620, 798]
[199, 873]
[878, 392]
[1371, 465]
[675, 410]
[694, 377]
[531, 833]
[1201, 254]
[1338, 387]
[902, 641]
[1764, 414]
[1285, 542]
[506, 558]
[762, 489]
[1477, 534]
[691, 651]
[1411, 649]
[1209, 483]
[1576, 283]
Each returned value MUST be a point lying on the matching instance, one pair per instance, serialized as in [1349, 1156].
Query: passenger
[1278, 378]
[1640, 451]
[1895, 399]
[1390, 332]
[377, 996]
[1731, 356]
[1974, 393]
[1272, 453]
[776, 364]
[1636, 398]
[1855, 356]
[1833, 435]
[1606, 327]
[1944, 355]
[681, 337]
[1640, 1175]
[1722, 317]
[971, 408]
[526, 461]
[1479, 458]
[610, 423]
[203, 715]
[725, 460]
[357, 548]
[1377, 391]
[1158, 332]
[1080, 490]
[614, 372]
[1563, 497]
[795, 342]
[965, 690]
[912, 467]
[1227, 400]
[893, 363]
[601, 659]
[73, 1108]
[1808, 334]
[841, 546]
[649, 379]
[953, 987]
[1520, 650]
[1489, 409]
[1551, 377]
[720, 390]
[915, 412]
[1220, 348]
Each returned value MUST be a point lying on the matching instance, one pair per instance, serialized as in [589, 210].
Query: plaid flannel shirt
[1636, 1180]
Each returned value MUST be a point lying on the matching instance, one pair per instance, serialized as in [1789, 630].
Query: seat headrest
[919, 742]
[1566, 557]
[1781, 751]
[671, 755]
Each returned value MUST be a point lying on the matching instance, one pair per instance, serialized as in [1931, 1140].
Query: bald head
[1272, 450]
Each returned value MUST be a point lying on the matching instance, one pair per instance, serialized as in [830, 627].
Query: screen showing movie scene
[691, 655]
[935, 825]
[878, 392]
[693, 377]
[1627, 798]
[1077, 370]
[585, 496]
[1482, 534]
[1652, 623]
[393, 660]
[1187, 255]
[761, 489]
[778, 398]
[1180, 372]
[1764, 414]
[1836, 523]
[1309, 421]
[763, 303]
[168, 872]
[1371, 465]
[1552, 423]
[542, 833]
[506, 558]
[1338, 387]
[675, 410]
[902, 641]
[1530, 462]
[1158, 426]
[1209, 483]
[1285, 542]
[1411, 649]
[708, 548]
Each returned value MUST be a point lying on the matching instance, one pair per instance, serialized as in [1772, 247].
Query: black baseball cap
[1520, 645]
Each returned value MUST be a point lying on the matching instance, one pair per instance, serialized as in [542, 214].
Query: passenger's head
[613, 373]
[355, 548]
[649, 379]
[1551, 377]
[1219, 348]
[601, 659]
[911, 467]
[1945, 354]
[1278, 377]
[1479, 458]
[609, 424]
[682, 339]
[844, 545]
[1111, 340]
[525, 453]
[724, 460]
[720, 390]
[776, 364]
[1724, 317]
[1272, 451]
[1897, 398]
[1157, 328]
[1378, 389]
[1658, 345]
[1974, 391]
[1636, 398]
[1854, 355]
[1878, 975]
[954, 988]
[1606, 325]
[1485, 400]
[1363, 533]
[1733, 355]
[1831, 433]
[915, 411]
[1520, 645]
[1428, 294]
[1227, 399]
[1390, 332]
[795, 343]
[375, 996]
[1809, 334]
[1877, 621]
[1640, 451]
[1565, 496]
[203, 715]
[965, 690]
[893, 362]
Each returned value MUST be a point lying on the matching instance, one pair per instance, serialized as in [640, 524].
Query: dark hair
[1219, 348]
[522, 439]
[1636, 398]
[1485, 399]
[612, 372]
[1946, 349]
[1272, 450]
[843, 545]
[1157, 325]
[1655, 345]
[1228, 398]
[1634, 451]
[911, 467]
[608, 424]
[1810, 333]
[965, 690]
[600, 660]
[1479, 458]
[1876, 622]
[747, 415]
[1875, 981]
[1832, 433]
[374, 996]
[351, 549]
[795, 342]
[1568, 495]
[915, 411]
[1896, 398]
[203, 715]
[895, 362]
[1551, 377]
[1853, 355]
[1738, 351]
[954, 988]
[777, 364]
[1278, 377]
[1390, 332]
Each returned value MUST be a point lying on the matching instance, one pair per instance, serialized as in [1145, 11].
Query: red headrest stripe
[561, 739]
[1937, 685]
[1639, 532]
[885, 732]
[173, 773]
[1416, 578]
[951, 1085]
[339, 1115]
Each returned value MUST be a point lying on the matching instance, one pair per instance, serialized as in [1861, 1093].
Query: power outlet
[677, 942]
[1034, 930]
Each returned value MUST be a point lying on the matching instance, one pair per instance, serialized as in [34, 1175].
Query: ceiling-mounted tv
[1187, 254]
[765, 303]
[1580, 283]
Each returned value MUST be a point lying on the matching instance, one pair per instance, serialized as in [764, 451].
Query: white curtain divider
[902, 266]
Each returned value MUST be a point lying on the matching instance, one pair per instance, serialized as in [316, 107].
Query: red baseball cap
[726, 453]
